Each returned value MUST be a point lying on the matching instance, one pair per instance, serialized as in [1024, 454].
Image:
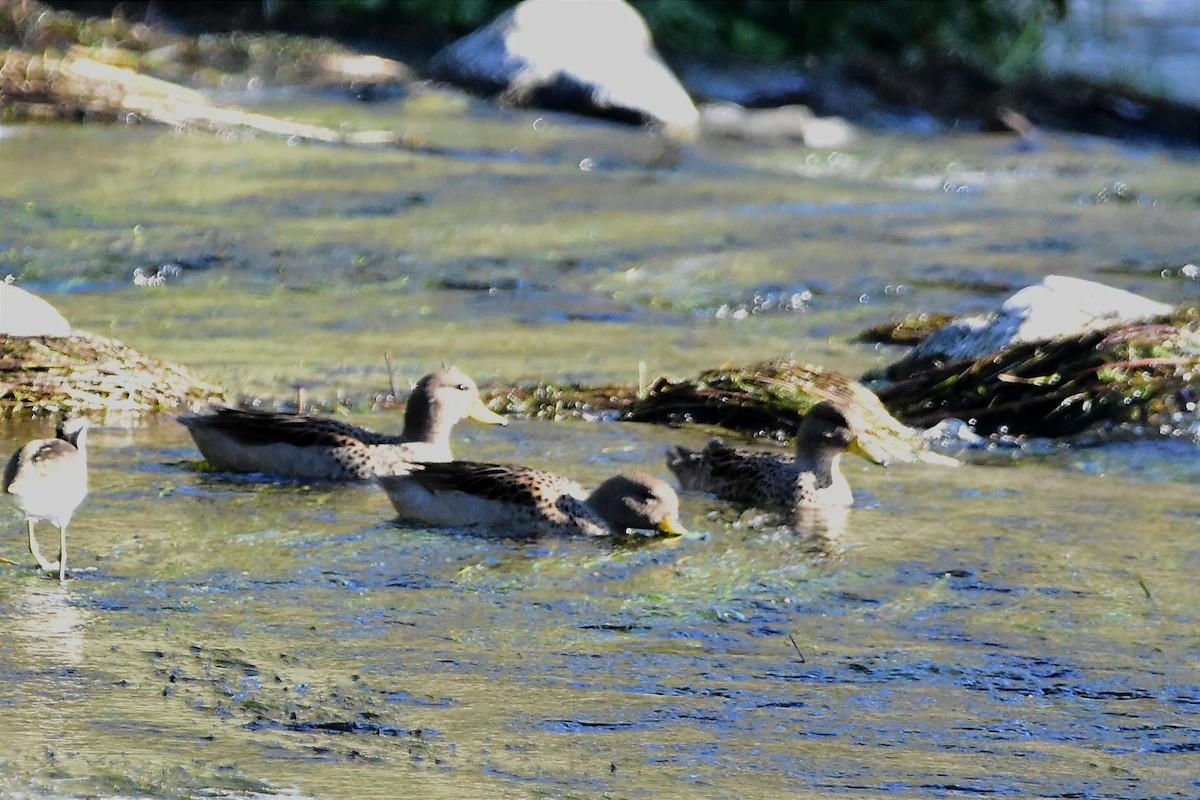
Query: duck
[311, 447]
[523, 502]
[811, 478]
[47, 479]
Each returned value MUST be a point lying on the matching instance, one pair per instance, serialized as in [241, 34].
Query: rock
[25, 314]
[787, 123]
[749, 85]
[594, 57]
[1057, 306]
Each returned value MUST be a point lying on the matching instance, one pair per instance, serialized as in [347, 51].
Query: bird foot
[54, 567]
[49, 566]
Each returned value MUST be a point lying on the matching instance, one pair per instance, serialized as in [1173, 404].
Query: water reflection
[48, 625]
[43, 671]
[823, 525]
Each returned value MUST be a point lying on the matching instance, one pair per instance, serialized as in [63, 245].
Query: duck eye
[462, 387]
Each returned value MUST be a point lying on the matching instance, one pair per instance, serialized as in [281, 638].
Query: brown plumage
[47, 480]
[810, 478]
[304, 446]
[522, 502]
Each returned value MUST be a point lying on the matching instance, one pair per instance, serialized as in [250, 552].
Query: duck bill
[670, 524]
[856, 446]
[481, 413]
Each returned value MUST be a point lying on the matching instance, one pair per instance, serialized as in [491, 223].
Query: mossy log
[90, 373]
[215, 59]
[770, 398]
[1128, 373]
[765, 400]
[79, 87]
[908, 331]
[61, 65]
[561, 401]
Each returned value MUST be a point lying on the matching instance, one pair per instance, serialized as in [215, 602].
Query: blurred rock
[788, 123]
[593, 57]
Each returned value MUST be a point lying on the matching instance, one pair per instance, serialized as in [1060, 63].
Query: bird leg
[62, 553]
[47, 566]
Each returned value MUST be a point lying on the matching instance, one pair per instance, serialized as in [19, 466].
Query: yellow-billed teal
[304, 446]
[521, 502]
[47, 480]
[811, 478]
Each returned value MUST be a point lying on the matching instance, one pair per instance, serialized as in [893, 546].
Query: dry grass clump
[90, 373]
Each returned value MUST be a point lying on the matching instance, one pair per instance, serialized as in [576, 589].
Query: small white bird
[47, 480]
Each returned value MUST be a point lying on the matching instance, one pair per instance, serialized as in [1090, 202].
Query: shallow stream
[1024, 626]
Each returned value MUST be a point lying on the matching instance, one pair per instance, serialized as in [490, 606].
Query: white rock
[1057, 306]
[593, 56]
[25, 314]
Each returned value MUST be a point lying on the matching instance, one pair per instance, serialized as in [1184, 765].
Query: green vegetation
[997, 36]
[994, 35]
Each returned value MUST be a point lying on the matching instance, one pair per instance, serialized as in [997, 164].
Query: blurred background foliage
[999, 37]
[973, 63]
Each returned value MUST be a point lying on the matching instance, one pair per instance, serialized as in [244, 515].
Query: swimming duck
[809, 479]
[47, 480]
[521, 502]
[304, 446]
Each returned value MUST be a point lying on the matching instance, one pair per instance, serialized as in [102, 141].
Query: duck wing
[258, 427]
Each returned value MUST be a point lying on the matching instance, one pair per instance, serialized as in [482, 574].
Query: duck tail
[689, 466]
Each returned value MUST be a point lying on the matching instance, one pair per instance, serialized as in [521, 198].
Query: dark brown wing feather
[504, 482]
[257, 427]
[10, 471]
[39, 457]
[51, 449]
[743, 476]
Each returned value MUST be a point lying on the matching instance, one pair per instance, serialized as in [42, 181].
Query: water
[1022, 626]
